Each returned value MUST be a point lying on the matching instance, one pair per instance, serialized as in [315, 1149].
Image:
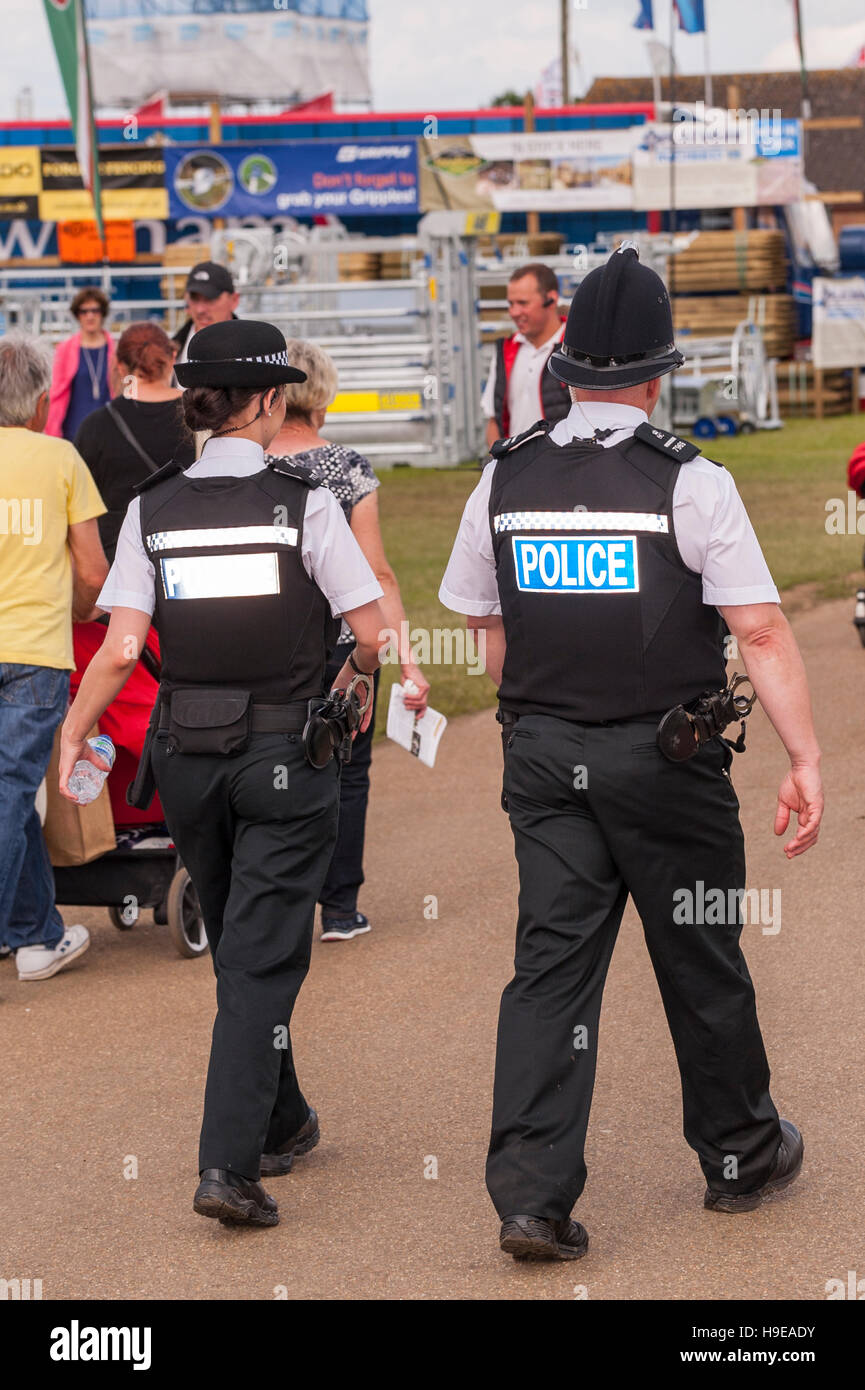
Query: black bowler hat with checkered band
[237, 353]
[620, 328]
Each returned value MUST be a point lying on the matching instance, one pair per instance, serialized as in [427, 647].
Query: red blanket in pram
[125, 721]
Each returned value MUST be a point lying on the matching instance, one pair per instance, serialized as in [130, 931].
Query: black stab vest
[235, 606]
[639, 640]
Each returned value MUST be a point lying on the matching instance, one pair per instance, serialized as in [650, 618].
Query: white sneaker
[39, 962]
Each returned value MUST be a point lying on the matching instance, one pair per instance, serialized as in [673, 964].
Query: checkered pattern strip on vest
[581, 521]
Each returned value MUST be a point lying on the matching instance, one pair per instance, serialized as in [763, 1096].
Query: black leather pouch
[210, 721]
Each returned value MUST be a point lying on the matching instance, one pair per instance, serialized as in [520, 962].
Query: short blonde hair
[322, 379]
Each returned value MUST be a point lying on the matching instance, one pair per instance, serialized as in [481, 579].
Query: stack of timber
[803, 390]
[359, 265]
[396, 265]
[753, 260]
[716, 316]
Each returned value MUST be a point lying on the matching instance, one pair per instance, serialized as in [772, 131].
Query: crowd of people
[80, 429]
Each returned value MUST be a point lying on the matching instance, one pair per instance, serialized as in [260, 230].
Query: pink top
[67, 356]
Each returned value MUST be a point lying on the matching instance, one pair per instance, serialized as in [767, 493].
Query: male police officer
[598, 556]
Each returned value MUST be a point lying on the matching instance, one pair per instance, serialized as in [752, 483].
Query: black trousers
[598, 813]
[256, 832]
[338, 897]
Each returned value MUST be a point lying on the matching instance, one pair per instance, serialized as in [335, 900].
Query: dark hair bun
[211, 407]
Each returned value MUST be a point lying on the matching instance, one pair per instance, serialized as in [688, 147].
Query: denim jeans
[33, 702]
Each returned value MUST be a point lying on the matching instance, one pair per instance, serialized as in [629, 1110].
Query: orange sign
[79, 243]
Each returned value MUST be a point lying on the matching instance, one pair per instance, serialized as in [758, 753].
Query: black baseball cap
[209, 280]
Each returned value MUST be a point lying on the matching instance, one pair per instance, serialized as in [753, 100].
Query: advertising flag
[644, 19]
[66, 22]
[692, 17]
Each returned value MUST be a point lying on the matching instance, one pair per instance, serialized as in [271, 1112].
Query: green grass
[785, 478]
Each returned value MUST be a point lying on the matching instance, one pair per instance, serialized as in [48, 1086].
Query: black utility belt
[221, 721]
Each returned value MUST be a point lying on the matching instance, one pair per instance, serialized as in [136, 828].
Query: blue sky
[445, 54]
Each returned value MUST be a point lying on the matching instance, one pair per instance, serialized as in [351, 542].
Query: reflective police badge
[576, 564]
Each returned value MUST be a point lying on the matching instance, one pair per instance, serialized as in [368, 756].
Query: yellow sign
[482, 223]
[20, 171]
[374, 402]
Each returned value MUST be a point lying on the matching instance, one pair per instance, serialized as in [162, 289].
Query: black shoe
[788, 1163]
[537, 1238]
[344, 928]
[233, 1198]
[276, 1164]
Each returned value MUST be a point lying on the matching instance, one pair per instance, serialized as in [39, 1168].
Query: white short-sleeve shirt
[715, 536]
[524, 385]
[329, 553]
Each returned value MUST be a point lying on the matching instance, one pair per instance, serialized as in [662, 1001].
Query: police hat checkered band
[222, 535]
[582, 521]
[609, 364]
[275, 359]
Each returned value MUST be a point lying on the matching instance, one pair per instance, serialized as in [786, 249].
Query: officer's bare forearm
[777, 673]
[367, 624]
[494, 639]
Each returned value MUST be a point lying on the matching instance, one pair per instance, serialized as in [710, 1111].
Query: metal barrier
[412, 352]
[409, 383]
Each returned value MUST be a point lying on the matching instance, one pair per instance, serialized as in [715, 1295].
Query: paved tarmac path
[395, 1037]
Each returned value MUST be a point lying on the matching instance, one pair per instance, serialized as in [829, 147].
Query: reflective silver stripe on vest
[581, 521]
[220, 576]
[222, 535]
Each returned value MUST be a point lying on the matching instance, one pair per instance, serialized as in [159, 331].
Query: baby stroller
[144, 871]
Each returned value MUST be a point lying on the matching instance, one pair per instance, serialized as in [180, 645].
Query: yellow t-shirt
[45, 487]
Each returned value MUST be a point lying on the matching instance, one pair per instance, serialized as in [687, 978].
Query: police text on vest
[576, 564]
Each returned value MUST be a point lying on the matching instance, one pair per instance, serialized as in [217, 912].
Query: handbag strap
[130, 438]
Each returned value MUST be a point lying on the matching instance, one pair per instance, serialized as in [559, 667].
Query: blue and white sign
[576, 564]
[301, 178]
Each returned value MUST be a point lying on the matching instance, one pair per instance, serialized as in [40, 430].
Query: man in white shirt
[519, 389]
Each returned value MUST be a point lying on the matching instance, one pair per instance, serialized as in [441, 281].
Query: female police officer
[247, 568]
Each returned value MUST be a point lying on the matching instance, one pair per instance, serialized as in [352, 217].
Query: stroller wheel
[185, 921]
[126, 915]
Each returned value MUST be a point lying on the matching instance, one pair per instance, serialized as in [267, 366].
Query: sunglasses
[93, 310]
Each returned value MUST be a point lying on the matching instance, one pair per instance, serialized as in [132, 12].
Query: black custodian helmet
[620, 327]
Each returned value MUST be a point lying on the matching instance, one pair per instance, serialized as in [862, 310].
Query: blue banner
[691, 16]
[644, 19]
[306, 179]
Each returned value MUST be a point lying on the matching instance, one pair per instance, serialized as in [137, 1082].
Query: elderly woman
[351, 479]
[80, 381]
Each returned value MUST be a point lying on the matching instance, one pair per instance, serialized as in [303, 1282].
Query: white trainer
[40, 962]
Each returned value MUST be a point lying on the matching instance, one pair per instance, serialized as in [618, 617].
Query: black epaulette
[296, 470]
[667, 443]
[166, 471]
[504, 446]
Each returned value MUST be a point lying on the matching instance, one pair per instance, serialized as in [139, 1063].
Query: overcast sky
[441, 55]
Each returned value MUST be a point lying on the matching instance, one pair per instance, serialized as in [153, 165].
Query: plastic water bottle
[85, 780]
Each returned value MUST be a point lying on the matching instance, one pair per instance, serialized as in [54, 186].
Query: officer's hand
[802, 792]
[417, 701]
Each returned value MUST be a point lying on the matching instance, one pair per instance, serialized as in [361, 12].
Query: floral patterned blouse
[347, 474]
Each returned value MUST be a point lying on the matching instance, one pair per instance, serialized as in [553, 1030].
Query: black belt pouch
[210, 721]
